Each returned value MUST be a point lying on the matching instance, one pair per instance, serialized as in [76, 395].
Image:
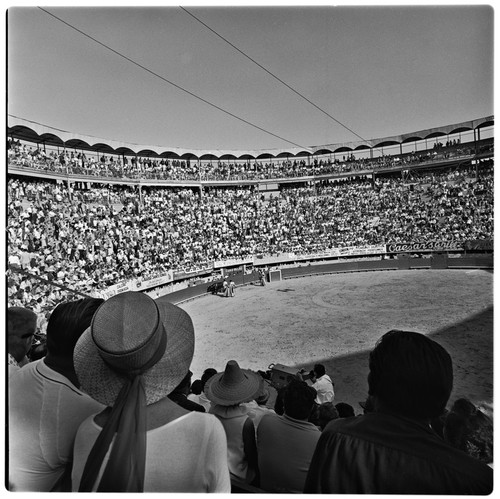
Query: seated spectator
[257, 408]
[322, 383]
[393, 450]
[227, 391]
[46, 406]
[21, 328]
[326, 412]
[345, 410]
[132, 357]
[469, 429]
[196, 387]
[202, 398]
[180, 395]
[285, 444]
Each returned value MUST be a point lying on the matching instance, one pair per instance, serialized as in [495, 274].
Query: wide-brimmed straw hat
[131, 333]
[233, 386]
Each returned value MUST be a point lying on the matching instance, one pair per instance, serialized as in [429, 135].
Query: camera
[280, 375]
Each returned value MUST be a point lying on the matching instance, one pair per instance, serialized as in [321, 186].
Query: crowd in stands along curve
[73, 162]
[90, 239]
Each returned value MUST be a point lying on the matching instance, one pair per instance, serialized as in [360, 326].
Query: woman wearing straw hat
[227, 391]
[134, 354]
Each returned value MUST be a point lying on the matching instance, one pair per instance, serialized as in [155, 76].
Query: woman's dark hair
[344, 410]
[469, 429]
[410, 374]
[263, 396]
[196, 386]
[207, 374]
[319, 370]
[298, 399]
[326, 413]
[67, 323]
[278, 402]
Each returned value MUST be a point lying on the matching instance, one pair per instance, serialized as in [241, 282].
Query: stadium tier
[33, 146]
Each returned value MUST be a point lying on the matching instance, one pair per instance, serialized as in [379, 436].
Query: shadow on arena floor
[470, 344]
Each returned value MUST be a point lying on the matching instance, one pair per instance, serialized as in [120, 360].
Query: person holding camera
[322, 383]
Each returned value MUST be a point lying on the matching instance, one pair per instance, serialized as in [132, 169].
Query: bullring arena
[363, 248]
[336, 319]
[150, 164]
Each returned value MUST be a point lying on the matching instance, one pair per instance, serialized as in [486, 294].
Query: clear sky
[117, 73]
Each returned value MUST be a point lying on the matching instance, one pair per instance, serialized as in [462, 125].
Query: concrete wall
[439, 261]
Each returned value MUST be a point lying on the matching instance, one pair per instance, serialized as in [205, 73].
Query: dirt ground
[336, 320]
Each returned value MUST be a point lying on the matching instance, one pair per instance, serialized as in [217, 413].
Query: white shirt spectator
[324, 386]
[45, 410]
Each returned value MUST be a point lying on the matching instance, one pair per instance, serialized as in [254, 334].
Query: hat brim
[103, 384]
[224, 395]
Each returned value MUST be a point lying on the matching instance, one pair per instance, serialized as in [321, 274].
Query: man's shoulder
[380, 427]
[24, 373]
[35, 375]
[402, 436]
[274, 422]
[11, 361]
[323, 380]
[270, 418]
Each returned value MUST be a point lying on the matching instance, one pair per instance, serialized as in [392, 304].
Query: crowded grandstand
[91, 223]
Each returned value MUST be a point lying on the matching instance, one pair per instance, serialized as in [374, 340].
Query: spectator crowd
[87, 239]
[146, 167]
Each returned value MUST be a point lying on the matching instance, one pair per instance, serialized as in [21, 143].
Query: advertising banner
[424, 246]
[314, 254]
[347, 251]
[108, 293]
[137, 285]
[273, 259]
[202, 269]
[232, 262]
[156, 281]
[125, 286]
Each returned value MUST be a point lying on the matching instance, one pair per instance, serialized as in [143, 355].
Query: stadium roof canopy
[38, 133]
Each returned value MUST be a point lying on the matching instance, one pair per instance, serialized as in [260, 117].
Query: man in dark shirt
[393, 450]
[285, 444]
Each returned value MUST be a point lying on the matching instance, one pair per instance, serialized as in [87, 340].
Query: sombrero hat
[131, 333]
[233, 386]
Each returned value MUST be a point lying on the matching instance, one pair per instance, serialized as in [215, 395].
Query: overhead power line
[168, 81]
[272, 74]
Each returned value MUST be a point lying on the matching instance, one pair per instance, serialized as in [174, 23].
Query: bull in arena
[215, 287]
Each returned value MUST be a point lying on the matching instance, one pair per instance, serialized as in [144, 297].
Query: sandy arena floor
[336, 320]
